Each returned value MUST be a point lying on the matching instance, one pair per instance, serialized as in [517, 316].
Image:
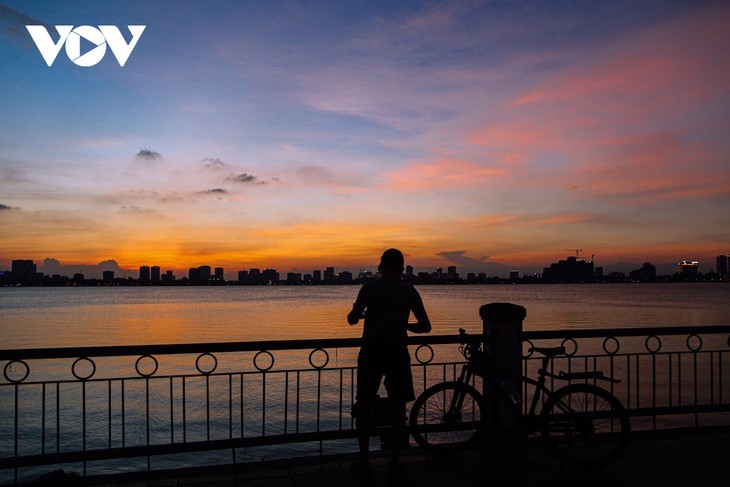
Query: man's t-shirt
[387, 304]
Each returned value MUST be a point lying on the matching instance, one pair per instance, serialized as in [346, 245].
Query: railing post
[502, 328]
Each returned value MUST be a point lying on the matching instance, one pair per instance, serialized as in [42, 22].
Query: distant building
[270, 276]
[294, 277]
[570, 270]
[219, 274]
[409, 271]
[344, 277]
[329, 275]
[204, 273]
[23, 270]
[242, 277]
[144, 273]
[168, 276]
[688, 267]
[194, 275]
[722, 266]
[155, 273]
[317, 276]
[107, 276]
[646, 273]
[451, 273]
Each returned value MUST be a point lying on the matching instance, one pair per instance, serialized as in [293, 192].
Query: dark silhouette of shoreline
[572, 270]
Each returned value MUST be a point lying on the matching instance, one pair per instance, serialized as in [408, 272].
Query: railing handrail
[255, 346]
[624, 332]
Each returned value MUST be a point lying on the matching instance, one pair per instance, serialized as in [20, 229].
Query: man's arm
[423, 324]
[357, 308]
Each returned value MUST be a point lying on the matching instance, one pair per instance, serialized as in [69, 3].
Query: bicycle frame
[490, 376]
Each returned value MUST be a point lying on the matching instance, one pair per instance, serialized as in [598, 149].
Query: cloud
[136, 210]
[214, 191]
[214, 163]
[245, 178]
[148, 155]
[443, 174]
[471, 264]
[6, 207]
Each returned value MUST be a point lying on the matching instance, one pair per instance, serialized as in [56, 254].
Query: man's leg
[398, 419]
[362, 426]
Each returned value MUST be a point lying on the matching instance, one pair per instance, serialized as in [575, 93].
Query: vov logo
[71, 37]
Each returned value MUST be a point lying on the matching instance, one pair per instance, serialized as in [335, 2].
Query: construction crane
[574, 250]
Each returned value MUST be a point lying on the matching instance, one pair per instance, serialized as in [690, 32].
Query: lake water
[85, 316]
[45, 317]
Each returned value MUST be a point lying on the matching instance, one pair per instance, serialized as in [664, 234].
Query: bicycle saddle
[548, 351]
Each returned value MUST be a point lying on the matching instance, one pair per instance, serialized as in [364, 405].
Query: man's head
[391, 263]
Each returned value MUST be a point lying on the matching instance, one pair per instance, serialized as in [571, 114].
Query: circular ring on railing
[615, 343]
[699, 342]
[256, 364]
[154, 360]
[658, 344]
[575, 345]
[9, 366]
[206, 372]
[79, 376]
[427, 347]
[311, 356]
[530, 346]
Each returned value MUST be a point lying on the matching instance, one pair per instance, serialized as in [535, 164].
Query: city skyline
[485, 135]
[154, 273]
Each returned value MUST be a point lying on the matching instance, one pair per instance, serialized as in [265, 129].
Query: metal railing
[88, 405]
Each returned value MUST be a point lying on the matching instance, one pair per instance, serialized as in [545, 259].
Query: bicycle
[582, 424]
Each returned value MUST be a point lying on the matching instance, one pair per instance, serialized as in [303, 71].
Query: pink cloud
[441, 173]
[622, 123]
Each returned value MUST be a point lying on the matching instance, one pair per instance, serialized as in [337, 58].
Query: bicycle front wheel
[448, 418]
[585, 426]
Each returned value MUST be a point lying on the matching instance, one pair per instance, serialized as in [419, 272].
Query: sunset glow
[279, 134]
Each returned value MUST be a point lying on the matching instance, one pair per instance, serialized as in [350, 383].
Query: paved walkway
[669, 458]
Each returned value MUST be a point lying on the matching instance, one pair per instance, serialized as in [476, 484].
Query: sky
[484, 134]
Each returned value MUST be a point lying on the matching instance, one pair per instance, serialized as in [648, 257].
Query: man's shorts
[389, 360]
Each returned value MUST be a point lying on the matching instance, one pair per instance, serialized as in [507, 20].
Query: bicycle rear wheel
[585, 426]
[448, 418]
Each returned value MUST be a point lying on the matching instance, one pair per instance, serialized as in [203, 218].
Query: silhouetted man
[386, 304]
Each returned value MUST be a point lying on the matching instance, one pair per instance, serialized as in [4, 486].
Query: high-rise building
[270, 276]
[155, 273]
[409, 271]
[243, 277]
[219, 274]
[194, 275]
[329, 274]
[204, 273]
[570, 270]
[144, 273]
[107, 276]
[688, 267]
[451, 272]
[23, 270]
[722, 267]
[317, 276]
